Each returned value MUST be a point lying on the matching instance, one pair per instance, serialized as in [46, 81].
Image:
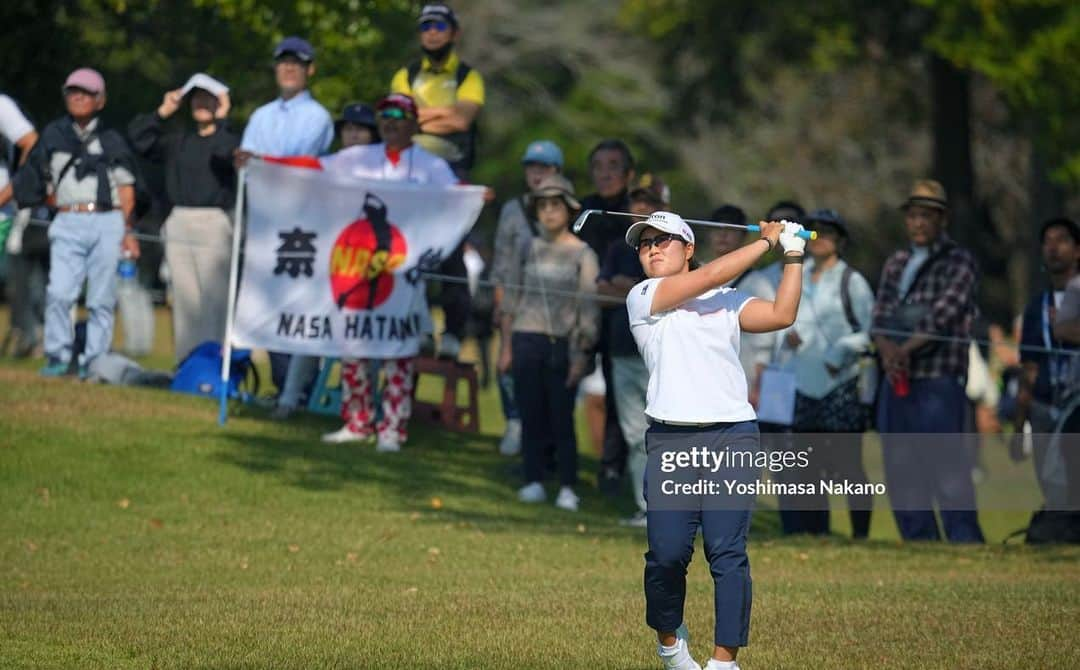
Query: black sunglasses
[661, 241]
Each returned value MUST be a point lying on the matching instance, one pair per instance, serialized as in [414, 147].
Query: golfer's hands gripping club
[793, 243]
[771, 230]
[805, 234]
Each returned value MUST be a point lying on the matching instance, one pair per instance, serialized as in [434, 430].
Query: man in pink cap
[87, 173]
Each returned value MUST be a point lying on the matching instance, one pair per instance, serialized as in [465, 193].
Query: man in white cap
[90, 172]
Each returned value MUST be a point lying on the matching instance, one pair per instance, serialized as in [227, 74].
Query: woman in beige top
[549, 324]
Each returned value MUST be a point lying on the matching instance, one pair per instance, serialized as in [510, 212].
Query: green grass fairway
[136, 533]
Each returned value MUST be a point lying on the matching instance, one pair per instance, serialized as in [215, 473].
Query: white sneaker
[511, 439]
[713, 664]
[679, 657]
[532, 492]
[567, 499]
[449, 346]
[387, 444]
[345, 434]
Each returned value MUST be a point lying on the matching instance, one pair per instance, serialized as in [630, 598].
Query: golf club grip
[805, 234]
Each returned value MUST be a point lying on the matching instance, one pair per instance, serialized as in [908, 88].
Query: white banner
[331, 264]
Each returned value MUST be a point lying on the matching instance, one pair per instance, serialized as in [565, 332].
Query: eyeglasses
[441, 26]
[661, 241]
[394, 113]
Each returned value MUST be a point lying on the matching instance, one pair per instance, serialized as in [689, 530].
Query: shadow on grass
[472, 482]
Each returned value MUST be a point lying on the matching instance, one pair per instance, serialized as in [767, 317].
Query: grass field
[136, 533]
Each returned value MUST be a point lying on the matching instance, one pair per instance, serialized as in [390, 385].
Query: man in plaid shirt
[926, 292]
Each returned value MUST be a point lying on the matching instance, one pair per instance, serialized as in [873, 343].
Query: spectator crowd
[901, 358]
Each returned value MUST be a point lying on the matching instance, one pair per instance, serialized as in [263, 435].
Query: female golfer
[687, 327]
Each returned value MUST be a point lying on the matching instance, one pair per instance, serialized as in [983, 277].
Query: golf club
[583, 217]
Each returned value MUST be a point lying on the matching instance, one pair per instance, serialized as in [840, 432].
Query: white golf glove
[789, 239]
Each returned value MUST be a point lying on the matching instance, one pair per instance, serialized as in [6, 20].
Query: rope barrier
[609, 300]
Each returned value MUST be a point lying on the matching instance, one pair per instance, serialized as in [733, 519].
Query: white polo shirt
[692, 353]
[372, 161]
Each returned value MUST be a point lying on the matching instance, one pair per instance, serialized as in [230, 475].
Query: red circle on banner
[356, 266]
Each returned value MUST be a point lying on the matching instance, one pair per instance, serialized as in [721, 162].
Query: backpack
[200, 373]
[1051, 527]
[464, 141]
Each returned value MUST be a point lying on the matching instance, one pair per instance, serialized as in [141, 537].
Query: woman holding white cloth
[686, 326]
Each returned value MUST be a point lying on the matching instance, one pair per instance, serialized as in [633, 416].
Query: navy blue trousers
[546, 405]
[671, 543]
[936, 405]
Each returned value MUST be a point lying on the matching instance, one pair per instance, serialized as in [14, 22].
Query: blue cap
[544, 152]
[298, 46]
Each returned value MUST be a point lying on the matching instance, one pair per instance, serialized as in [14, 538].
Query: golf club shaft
[753, 228]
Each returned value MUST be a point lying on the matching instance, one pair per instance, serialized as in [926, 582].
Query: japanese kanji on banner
[332, 265]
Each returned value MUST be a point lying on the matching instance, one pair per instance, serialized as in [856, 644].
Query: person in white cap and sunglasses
[686, 325]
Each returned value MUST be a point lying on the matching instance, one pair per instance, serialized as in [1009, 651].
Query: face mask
[440, 54]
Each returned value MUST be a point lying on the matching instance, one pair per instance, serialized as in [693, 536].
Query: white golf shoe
[678, 656]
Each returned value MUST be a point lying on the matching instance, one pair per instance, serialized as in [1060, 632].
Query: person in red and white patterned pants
[358, 381]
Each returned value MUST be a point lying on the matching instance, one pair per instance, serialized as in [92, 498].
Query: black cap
[827, 216]
[788, 205]
[357, 113]
[438, 12]
[297, 46]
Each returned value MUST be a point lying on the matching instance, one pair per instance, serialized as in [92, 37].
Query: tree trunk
[953, 167]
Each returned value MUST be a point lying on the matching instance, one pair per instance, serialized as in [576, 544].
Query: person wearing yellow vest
[448, 92]
[448, 95]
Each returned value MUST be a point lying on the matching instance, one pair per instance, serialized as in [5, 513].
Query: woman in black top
[200, 181]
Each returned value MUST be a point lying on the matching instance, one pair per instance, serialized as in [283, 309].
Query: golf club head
[579, 223]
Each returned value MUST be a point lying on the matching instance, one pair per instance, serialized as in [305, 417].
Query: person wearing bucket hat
[541, 159]
[549, 325]
[200, 180]
[824, 349]
[686, 325]
[927, 290]
[357, 125]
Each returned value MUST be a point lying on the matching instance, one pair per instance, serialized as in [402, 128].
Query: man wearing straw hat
[922, 325]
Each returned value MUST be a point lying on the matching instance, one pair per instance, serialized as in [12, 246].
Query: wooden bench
[448, 413]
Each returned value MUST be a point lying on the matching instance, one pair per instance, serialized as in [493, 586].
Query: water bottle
[136, 309]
